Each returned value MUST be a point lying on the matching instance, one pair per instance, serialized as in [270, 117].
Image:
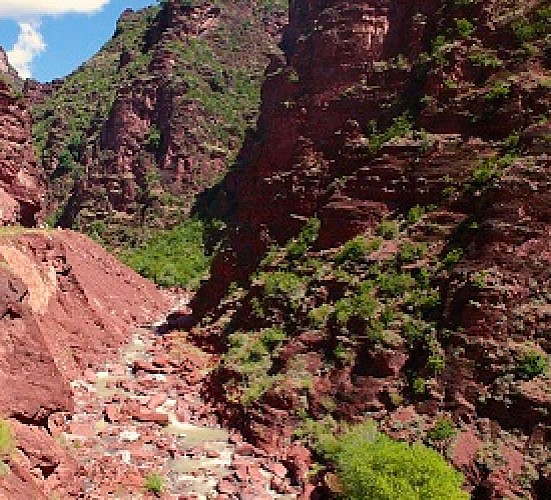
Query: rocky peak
[181, 85]
[8, 71]
[4, 64]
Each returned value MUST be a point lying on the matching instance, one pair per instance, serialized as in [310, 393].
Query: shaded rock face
[21, 184]
[375, 108]
[176, 87]
[66, 305]
[314, 100]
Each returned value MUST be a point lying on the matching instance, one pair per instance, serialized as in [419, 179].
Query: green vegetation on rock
[175, 257]
[154, 483]
[372, 466]
[7, 445]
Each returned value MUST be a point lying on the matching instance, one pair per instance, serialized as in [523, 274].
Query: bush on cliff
[372, 466]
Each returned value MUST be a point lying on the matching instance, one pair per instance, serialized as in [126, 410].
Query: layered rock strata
[432, 117]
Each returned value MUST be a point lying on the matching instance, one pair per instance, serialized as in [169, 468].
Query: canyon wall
[131, 137]
[423, 126]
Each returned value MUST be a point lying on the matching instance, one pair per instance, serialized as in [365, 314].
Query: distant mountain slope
[156, 115]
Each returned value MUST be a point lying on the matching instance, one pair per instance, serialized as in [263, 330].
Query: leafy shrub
[282, 284]
[387, 316]
[511, 143]
[400, 126]
[419, 386]
[246, 352]
[498, 92]
[484, 173]
[154, 139]
[318, 317]
[422, 301]
[453, 257]
[388, 229]
[249, 355]
[410, 252]
[309, 234]
[527, 29]
[272, 337]
[436, 363]
[485, 58]
[7, 442]
[362, 305]
[464, 27]
[439, 50]
[394, 284]
[442, 429]
[344, 309]
[488, 170]
[370, 465]
[353, 250]
[531, 364]
[415, 330]
[154, 483]
[415, 214]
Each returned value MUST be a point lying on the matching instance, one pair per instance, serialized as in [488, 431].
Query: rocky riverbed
[142, 417]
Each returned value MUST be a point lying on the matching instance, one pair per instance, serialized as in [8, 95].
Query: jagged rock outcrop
[66, 305]
[167, 102]
[427, 123]
[6, 69]
[21, 184]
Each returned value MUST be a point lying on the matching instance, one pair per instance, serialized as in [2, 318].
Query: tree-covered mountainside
[130, 137]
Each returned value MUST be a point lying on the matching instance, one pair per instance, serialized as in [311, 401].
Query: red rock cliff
[377, 108]
[66, 305]
[21, 184]
[168, 99]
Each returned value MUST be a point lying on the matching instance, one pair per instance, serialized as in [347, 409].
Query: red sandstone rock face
[346, 64]
[21, 184]
[66, 305]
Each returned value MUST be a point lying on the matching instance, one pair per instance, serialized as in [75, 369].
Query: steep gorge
[423, 127]
[386, 258]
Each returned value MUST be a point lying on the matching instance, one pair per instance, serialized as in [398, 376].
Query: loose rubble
[144, 414]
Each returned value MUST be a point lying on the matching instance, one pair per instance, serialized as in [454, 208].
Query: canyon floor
[142, 417]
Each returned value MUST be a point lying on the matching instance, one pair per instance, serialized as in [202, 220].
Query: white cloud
[29, 44]
[32, 9]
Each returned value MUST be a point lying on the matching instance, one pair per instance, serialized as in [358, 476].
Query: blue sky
[69, 38]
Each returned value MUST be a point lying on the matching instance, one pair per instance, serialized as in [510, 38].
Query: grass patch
[154, 483]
